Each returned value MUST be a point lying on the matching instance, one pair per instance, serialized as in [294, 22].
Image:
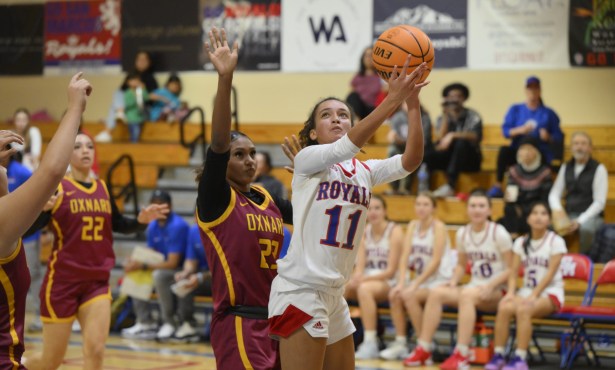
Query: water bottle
[423, 177]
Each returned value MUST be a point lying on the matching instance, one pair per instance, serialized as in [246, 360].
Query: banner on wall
[324, 35]
[256, 24]
[517, 34]
[82, 35]
[592, 33]
[21, 39]
[168, 30]
[444, 21]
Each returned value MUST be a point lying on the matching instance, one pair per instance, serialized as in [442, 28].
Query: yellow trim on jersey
[102, 183]
[95, 299]
[91, 190]
[268, 198]
[241, 345]
[54, 259]
[63, 320]
[59, 200]
[10, 299]
[5, 260]
[227, 270]
[224, 216]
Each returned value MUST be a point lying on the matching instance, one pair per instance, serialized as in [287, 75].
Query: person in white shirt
[331, 193]
[375, 270]
[487, 247]
[30, 152]
[426, 252]
[585, 183]
[540, 252]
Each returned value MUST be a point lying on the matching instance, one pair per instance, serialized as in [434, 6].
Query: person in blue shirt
[286, 244]
[168, 237]
[530, 118]
[166, 99]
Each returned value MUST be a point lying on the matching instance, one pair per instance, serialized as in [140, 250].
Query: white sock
[463, 349]
[521, 353]
[425, 345]
[369, 336]
[499, 351]
[401, 339]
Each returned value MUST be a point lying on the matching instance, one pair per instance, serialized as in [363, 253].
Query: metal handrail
[200, 138]
[128, 191]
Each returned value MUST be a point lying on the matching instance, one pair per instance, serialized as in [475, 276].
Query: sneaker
[76, 328]
[456, 361]
[140, 331]
[495, 192]
[185, 334]
[36, 326]
[165, 332]
[367, 350]
[394, 351]
[497, 362]
[103, 137]
[516, 363]
[444, 191]
[418, 357]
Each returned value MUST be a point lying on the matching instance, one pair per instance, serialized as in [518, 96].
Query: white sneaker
[140, 331]
[367, 350]
[394, 351]
[444, 191]
[165, 332]
[76, 328]
[103, 137]
[185, 334]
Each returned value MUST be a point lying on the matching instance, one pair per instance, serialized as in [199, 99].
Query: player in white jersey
[487, 247]
[542, 293]
[426, 252]
[331, 193]
[375, 270]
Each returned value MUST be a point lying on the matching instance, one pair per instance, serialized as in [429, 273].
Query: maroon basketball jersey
[15, 280]
[242, 247]
[81, 223]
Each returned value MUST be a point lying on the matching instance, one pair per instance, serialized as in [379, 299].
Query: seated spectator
[584, 184]
[531, 118]
[167, 236]
[366, 85]
[165, 100]
[135, 97]
[30, 152]
[459, 131]
[196, 277]
[264, 178]
[528, 181]
[397, 143]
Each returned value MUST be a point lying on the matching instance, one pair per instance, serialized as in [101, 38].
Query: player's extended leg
[470, 299]
[525, 313]
[506, 311]
[398, 315]
[438, 297]
[302, 351]
[414, 302]
[339, 355]
[94, 317]
[55, 342]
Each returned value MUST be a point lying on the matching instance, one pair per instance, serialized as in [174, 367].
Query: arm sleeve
[459, 240]
[555, 129]
[559, 246]
[518, 246]
[555, 195]
[600, 188]
[285, 207]
[122, 224]
[503, 239]
[509, 122]
[36, 142]
[214, 192]
[316, 158]
[386, 170]
[42, 221]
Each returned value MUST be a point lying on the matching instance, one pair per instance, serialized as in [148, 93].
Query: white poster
[518, 34]
[325, 35]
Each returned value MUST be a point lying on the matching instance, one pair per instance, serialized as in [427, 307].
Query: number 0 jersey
[83, 237]
[331, 193]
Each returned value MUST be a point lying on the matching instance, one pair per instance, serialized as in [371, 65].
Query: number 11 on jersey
[334, 221]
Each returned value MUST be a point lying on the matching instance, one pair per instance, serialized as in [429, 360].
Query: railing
[199, 139]
[128, 191]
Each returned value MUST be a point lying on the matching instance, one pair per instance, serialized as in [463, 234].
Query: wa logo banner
[324, 35]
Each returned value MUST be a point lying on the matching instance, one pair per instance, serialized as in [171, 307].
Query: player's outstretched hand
[221, 55]
[7, 138]
[402, 85]
[78, 91]
[291, 147]
[153, 212]
[51, 202]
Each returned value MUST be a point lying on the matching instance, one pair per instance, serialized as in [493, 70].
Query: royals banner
[325, 35]
[444, 21]
[21, 39]
[82, 35]
[517, 34]
[592, 33]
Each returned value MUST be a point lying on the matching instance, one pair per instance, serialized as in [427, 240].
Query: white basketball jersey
[331, 193]
[422, 254]
[377, 251]
[536, 262]
[484, 250]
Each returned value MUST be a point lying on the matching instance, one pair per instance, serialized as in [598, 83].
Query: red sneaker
[456, 362]
[418, 357]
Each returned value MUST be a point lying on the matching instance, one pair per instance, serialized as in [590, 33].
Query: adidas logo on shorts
[318, 325]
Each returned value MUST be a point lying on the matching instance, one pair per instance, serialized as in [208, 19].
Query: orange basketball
[394, 45]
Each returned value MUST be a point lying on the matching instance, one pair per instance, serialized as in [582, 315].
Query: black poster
[21, 39]
[168, 30]
[592, 33]
[444, 21]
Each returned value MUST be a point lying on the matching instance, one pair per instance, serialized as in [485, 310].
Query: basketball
[393, 47]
